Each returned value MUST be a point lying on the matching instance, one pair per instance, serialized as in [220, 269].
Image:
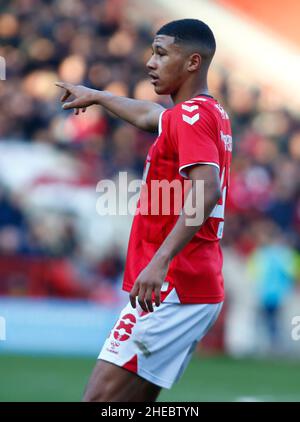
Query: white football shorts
[158, 345]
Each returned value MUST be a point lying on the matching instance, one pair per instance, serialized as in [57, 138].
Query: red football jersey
[196, 131]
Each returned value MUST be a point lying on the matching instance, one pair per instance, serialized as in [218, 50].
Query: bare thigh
[111, 383]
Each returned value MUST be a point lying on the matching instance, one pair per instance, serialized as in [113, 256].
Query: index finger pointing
[60, 84]
[64, 85]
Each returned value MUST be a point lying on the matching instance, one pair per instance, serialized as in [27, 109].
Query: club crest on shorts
[123, 331]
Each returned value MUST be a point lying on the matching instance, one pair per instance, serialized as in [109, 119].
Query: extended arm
[142, 114]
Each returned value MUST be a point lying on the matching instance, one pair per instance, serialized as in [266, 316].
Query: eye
[158, 53]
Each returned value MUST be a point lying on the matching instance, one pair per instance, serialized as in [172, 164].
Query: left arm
[152, 277]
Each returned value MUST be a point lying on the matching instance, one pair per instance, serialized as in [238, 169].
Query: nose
[151, 64]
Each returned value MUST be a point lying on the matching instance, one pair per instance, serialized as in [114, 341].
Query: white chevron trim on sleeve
[189, 108]
[191, 120]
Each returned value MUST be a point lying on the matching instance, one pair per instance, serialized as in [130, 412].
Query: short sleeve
[196, 136]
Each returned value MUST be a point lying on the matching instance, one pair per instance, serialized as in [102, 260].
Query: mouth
[153, 78]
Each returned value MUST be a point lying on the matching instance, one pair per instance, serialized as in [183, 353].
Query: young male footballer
[173, 269]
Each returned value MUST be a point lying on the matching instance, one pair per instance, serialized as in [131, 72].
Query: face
[167, 65]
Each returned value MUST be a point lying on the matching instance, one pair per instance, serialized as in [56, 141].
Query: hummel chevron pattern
[189, 108]
[193, 119]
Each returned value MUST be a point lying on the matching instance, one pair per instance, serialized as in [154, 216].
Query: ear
[194, 62]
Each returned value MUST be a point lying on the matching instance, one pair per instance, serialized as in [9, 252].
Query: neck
[189, 91]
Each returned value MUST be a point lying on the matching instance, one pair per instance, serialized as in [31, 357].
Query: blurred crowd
[98, 44]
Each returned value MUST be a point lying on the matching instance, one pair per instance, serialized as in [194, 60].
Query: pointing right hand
[84, 97]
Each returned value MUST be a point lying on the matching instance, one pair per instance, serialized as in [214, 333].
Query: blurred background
[61, 264]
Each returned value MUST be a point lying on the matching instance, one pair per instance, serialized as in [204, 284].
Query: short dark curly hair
[192, 33]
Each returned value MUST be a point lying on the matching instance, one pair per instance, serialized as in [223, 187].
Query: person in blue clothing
[272, 267]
